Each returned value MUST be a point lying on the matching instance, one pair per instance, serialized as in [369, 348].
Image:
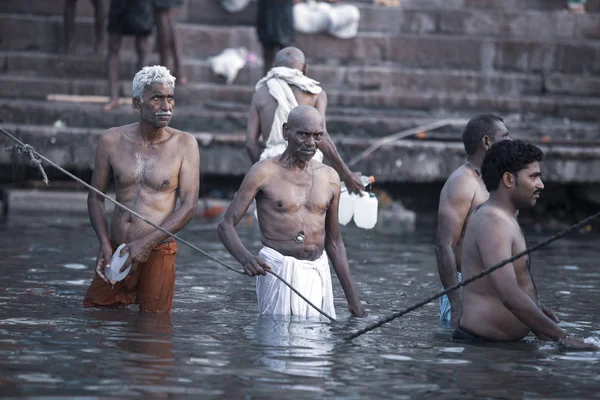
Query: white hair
[148, 76]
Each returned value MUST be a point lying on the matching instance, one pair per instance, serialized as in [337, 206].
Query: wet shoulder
[326, 173]
[182, 138]
[485, 218]
[460, 184]
[111, 138]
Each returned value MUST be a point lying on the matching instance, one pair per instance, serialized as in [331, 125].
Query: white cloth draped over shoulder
[278, 81]
[340, 20]
[311, 278]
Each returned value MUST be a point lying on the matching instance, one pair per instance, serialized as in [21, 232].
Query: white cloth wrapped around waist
[311, 278]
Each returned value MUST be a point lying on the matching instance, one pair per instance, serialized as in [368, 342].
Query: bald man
[297, 201]
[286, 86]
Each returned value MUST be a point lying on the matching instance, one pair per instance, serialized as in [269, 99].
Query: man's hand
[357, 311]
[139, 251]
[256, 266]
[354, 183]
[548, 313]
[103, 261]
[575, 343]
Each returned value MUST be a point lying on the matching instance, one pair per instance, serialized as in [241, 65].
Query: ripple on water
[75, 266]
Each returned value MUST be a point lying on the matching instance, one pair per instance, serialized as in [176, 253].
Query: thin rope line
[473, 278]
[31, 151]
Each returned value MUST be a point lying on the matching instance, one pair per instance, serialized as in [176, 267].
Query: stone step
[409, 50]
[352, 77]
[579, 108]
[349, 122]
[401, 161]
[212, 7]
[514, 22]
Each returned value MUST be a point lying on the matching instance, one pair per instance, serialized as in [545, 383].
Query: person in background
[69, 24]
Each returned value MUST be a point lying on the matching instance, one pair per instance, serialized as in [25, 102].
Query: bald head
[305, 117]
[290, 57]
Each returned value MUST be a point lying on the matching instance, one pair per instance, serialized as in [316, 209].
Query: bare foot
[112, 105]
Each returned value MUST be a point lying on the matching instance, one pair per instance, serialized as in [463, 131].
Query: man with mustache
[151, 165]
[503, 306]
[297, 201]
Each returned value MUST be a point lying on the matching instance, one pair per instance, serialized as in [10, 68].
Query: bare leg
[114, 45]
[269, 57]
[176, 49]
[162, 35]
[99, 25]
[141, 48]
[69, 24]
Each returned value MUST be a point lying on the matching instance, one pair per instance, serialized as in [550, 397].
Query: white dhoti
[311, 278]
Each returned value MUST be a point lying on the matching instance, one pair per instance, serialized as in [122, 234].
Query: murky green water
[214, 345]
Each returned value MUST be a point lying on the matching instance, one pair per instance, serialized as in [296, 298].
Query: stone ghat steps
[349, 122]
[222, 154]
[473, 52]
[410, 18]
[578, 108]
[353, 77]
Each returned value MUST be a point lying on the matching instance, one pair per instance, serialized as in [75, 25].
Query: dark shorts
[167, 3]
[275, 22]
[463, 334]
[131, 17]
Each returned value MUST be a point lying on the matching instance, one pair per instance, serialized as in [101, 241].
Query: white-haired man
[150, 163]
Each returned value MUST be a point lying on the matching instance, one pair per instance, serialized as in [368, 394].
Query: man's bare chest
[286, 197]
[152, 168]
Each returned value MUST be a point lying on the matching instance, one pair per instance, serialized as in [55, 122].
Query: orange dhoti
[151, 285]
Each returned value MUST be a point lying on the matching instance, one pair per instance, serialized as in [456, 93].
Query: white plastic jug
[346, 207]
[365, 211]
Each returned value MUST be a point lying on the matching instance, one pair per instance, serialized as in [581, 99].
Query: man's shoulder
[325, 170]
[182, 136]
[488, 219]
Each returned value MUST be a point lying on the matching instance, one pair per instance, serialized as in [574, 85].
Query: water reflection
[215, 345]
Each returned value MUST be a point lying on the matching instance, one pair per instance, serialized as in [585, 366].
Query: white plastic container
[346, 207]
[365, 211]
[116, 262]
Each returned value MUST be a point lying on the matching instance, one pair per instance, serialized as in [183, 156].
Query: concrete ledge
[225, 155]
[21, 201]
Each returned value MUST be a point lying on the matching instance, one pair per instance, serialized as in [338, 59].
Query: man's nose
[540, 185]
[165, 105]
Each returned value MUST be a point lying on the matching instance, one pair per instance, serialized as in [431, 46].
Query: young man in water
[463, 191]
[297, 201]
[151, 163]
[503, 306]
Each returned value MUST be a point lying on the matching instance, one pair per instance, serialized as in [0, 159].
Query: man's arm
[454, 207]
[95, 202]
[352, 180]
[336, 251]
[235, 212]
[189, 186]
[495, 245]
[253, 132]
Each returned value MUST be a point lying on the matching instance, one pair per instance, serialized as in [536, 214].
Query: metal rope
[25, 148]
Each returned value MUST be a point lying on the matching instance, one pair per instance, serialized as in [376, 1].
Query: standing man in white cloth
[297, 200]
[286, 86]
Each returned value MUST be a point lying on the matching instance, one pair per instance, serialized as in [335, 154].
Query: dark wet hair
[478, 127]
[507, 156]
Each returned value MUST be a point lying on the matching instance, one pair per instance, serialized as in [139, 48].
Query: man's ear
[137, 103]
[305, 69]
[486, 142]
[508, 179]
[286, 131]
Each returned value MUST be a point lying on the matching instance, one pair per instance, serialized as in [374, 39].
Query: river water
[215, 346]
